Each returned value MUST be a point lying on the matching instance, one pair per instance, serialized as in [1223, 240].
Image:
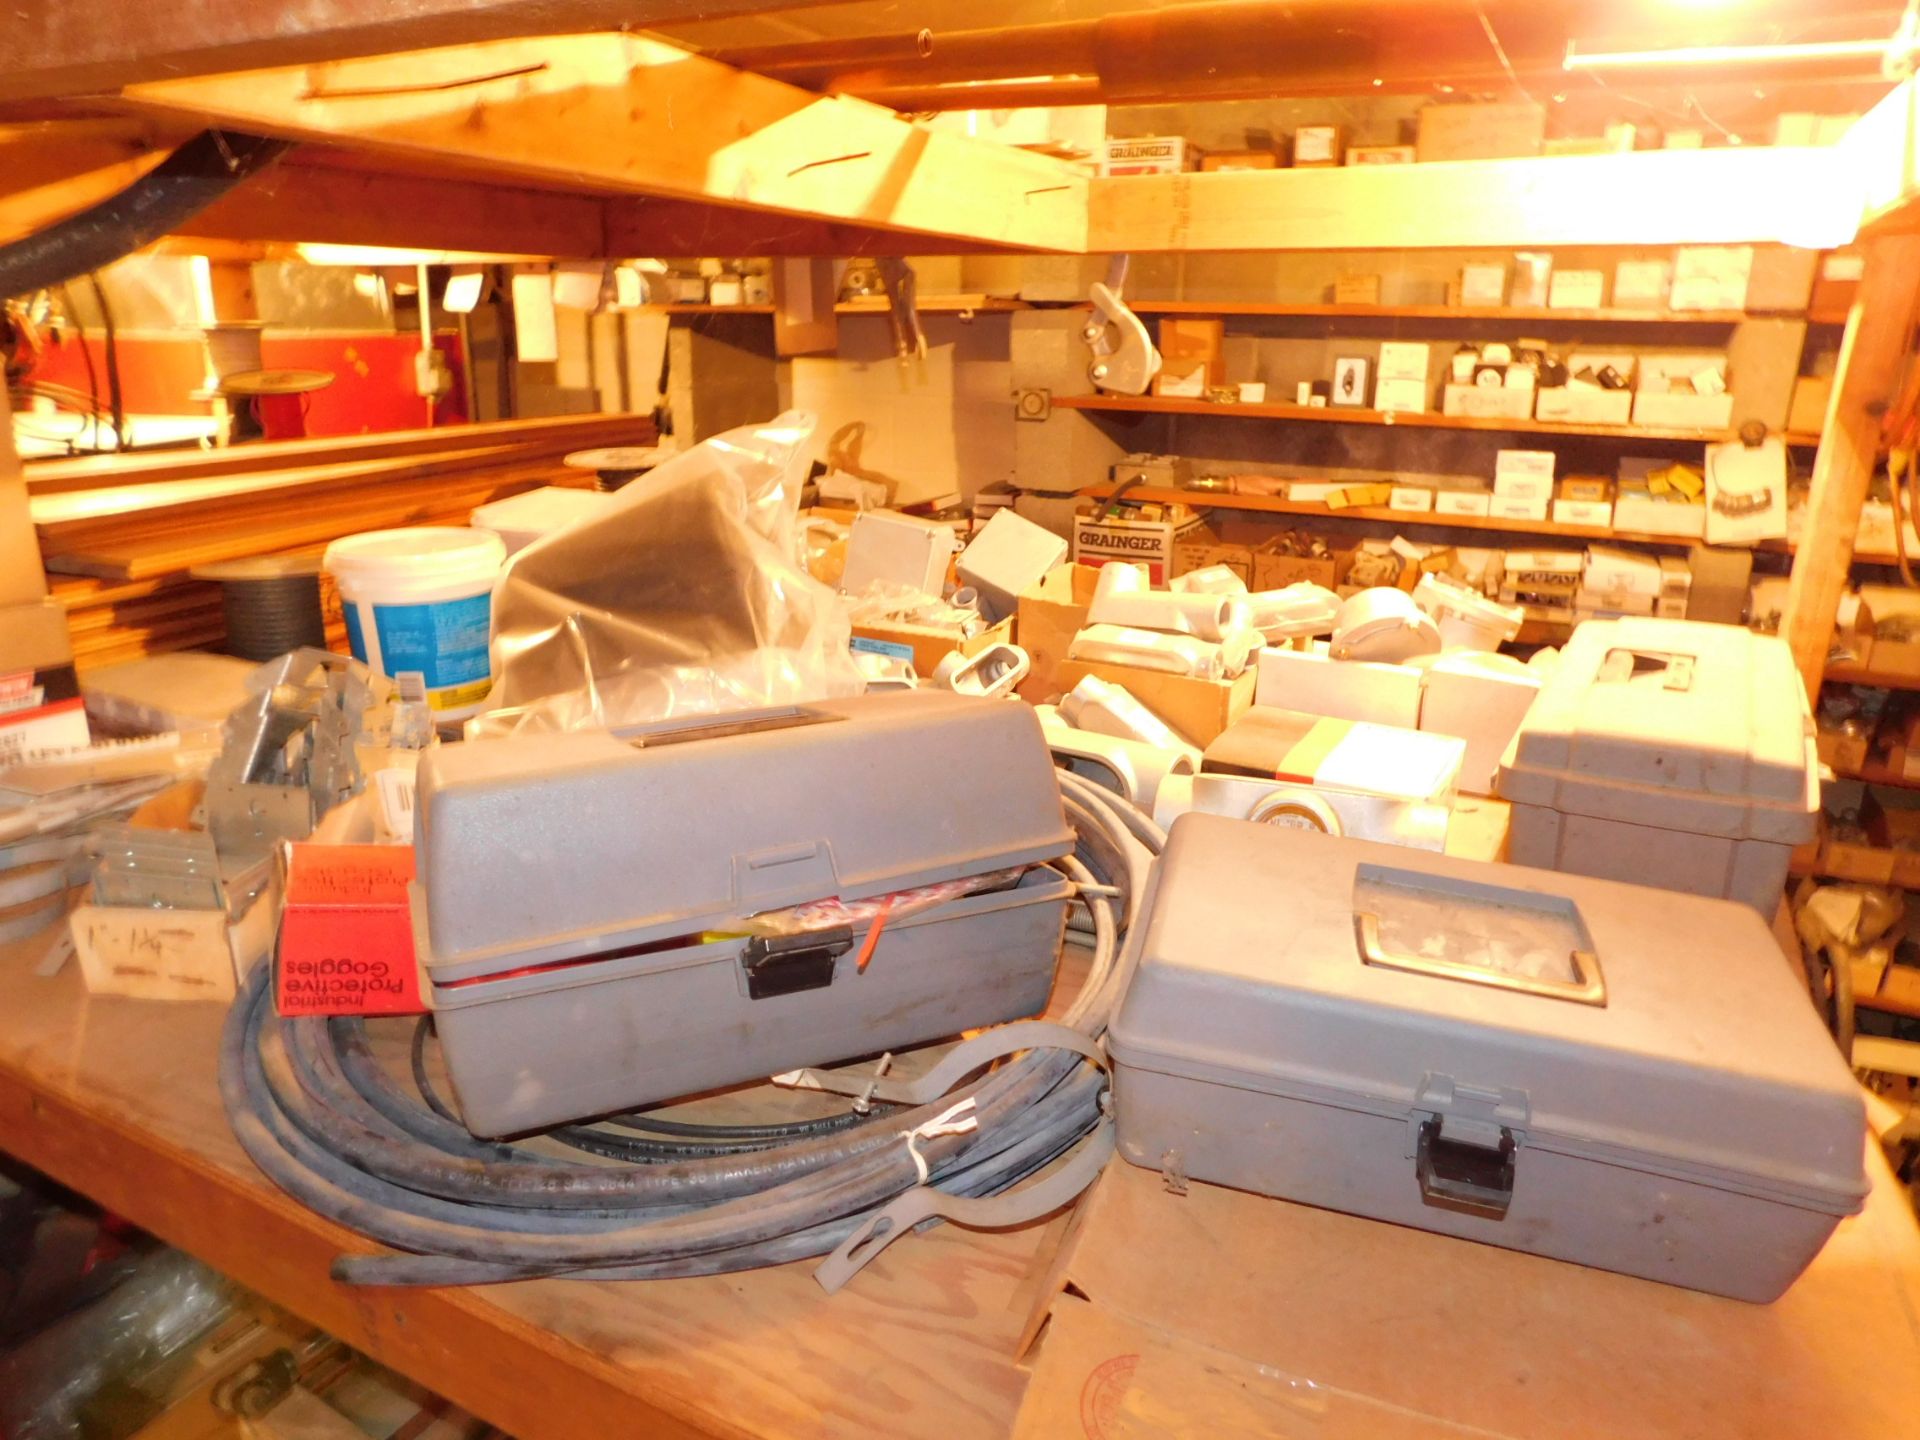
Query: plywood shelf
[1611, 315]
[1336, 415]
[1273, 505]
[1867, 675]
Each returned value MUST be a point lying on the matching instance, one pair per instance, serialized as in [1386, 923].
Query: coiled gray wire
[328, 1124]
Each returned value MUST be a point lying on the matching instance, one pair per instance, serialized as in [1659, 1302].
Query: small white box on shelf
[1597, 513]
[1524, 465]
[1411, 498]
[1658, 409]
[1403, 396]
[1462, 502]
[1405, 360]
[1486, 402]
[1523, 487]
[1506, 507]
[1576, 290]
[1584, 405]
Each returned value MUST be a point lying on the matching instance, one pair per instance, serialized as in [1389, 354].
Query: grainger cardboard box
[1117, 536]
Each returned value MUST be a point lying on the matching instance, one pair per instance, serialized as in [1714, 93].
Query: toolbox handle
[1588, 987]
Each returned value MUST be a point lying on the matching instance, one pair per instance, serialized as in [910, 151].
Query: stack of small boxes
[1522, 484]
[1624, 582]
[1545, 582]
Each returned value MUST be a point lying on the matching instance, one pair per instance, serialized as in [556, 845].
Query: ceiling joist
[616, 115]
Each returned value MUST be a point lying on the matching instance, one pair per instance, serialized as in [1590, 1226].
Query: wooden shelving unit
[872, 305]
[1428, 420]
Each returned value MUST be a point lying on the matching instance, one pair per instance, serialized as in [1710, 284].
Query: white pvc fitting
[1212, 580]
[1108, 709]
[994, 671]
[1170, 654]
[1132, 769]
[1123, 596]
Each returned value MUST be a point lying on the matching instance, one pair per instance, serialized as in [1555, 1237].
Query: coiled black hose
[335, 1129]
[165, 198]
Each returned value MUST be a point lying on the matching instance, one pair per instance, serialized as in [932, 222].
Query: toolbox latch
[786, 964]
[1471, 1175]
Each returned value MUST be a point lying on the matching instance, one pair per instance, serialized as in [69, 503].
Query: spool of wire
[615, 466]
[272, 603]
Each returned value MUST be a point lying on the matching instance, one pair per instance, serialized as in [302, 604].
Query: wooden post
[22, 581]
[1878, 335]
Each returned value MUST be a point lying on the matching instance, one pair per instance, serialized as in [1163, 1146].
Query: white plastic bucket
[420, 601]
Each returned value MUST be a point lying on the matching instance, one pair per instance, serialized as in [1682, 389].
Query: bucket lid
[418, 553]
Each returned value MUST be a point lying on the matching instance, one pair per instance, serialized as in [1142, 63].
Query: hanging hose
[165, 198]
[335, 1129]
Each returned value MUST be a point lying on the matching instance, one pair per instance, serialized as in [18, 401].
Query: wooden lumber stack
[120, 534]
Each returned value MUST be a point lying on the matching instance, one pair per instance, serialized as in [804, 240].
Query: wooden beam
[642, 225]
[301, 200]
[70, 47]
[620, 114]
[1877, 341]
[1651, 197]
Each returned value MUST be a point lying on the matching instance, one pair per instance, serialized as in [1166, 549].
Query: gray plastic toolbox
[1628, 1078]
[579, 897]
[1671, 753]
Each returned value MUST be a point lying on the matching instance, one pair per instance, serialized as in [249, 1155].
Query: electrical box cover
[1627, 1078]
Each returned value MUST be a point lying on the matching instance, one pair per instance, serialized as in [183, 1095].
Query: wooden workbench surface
[117, 1099]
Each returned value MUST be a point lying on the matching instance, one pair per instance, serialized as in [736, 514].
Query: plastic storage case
[1341, 1023]
[575, 893]
[1669, 753]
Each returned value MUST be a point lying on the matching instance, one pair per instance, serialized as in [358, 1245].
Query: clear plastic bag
[687, 597]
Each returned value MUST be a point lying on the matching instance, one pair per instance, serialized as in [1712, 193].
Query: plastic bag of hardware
[687, 597]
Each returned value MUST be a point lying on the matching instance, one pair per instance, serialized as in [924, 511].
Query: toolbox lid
[1678, 724]
[577, 842]
[1678, 1042]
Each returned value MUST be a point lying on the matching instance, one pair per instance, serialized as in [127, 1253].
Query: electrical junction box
[1537, 1061]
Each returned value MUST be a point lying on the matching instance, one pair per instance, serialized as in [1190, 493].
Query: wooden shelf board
[1272, 505]
[933, 305]
[1878, 775]
[1867, 675]
[1336, 415]
[1610, 315]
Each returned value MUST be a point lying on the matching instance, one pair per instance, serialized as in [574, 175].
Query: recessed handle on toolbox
[1459, 1175]
[1588, 987]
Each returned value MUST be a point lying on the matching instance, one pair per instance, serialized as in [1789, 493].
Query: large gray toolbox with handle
[1628, 1078]
[607, 920]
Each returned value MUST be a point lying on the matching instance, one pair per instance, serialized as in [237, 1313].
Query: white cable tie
[955, 1120]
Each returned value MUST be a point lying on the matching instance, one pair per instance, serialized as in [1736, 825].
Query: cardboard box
[1275, 571]
[1185, 342]
[1583, 487]
[346, 933]
[1317, 146]
[1381, 155]
[1240, 160]
[1483, 285]
[1311, 682]
[1486, 402]
[1412, 499]
[1507, 507]
[1635, 509]
[1356, 290]
[1051, 614]
[1711, 277]
[1405, 360]
[1514, 466]
[1583, 405]
[1401, 397]
[1577, 290]
[1666, 409]
[1642, 284]
[1482, 703]
[1523, 487]
[1596, 513]
[1836, 283]
[1149, 155]
[1807, 412]
[1462, 502]
[41, 708]
[1480, 132]
[1198, 709]
[1203, 552]
[925, 645]
[1138, 541]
